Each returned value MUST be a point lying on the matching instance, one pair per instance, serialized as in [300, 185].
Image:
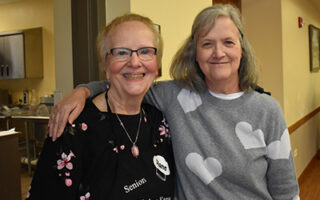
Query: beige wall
[301, 88]
[28, 14]
[116, 8]
[262, 23]
[63, 48]
[306, 140]
[283, 49]
[175, 18]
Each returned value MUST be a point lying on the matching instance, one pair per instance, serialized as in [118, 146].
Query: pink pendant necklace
[134, 148]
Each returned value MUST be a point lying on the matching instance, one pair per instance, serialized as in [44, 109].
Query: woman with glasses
[118, 148]
[229, 141]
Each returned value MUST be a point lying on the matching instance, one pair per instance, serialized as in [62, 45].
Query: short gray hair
[104, 34]
[186, 70]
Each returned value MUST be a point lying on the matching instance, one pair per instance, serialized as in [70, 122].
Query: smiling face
[131, 78]
[218, 54]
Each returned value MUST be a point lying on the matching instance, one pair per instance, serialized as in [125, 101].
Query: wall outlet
[295, 153]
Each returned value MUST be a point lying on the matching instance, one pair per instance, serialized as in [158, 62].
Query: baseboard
[303, 174]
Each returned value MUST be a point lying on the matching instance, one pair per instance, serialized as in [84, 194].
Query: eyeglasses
[124, 54]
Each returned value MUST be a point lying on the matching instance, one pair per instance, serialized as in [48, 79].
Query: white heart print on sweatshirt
[188, 100]
[207, 170]
[279, 149]
[249, 138]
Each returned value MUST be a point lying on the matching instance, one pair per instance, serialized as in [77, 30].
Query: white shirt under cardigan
[237, 148]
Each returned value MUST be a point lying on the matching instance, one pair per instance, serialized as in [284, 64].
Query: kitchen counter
[31, 120]
[32, 117]
[26, 110]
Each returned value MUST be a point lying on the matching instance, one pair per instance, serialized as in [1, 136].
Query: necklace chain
[125, 130]
[134, 148]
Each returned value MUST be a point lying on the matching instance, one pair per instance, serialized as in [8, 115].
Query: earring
[108, 85]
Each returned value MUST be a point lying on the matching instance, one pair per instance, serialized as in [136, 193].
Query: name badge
[162, 167]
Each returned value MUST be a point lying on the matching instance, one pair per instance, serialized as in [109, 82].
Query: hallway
[310, 181]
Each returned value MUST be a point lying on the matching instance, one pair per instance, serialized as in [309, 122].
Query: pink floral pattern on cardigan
[65, 162]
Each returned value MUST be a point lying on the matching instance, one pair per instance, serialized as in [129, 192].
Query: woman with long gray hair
[229, 141]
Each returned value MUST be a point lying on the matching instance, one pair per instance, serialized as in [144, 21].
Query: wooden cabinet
[11, 55]
[10, 187]
[21, 54]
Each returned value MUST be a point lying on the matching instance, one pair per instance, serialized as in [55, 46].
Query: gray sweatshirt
[226, 149]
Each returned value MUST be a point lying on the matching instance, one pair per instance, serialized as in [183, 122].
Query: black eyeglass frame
[131, 51]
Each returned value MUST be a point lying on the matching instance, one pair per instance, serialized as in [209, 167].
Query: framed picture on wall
[314, 46]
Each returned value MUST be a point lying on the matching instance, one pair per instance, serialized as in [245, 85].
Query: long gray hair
[186, 70]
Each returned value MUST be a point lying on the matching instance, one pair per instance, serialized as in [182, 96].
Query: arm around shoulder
[67, 110]
[95, 87]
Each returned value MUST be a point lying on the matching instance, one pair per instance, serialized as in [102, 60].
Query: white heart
[249, 139]
[207, 170]
[188, 100]
[280, 149]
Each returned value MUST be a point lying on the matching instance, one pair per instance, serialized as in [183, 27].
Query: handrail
[303, 120]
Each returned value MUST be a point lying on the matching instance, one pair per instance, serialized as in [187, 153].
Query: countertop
[40, 111]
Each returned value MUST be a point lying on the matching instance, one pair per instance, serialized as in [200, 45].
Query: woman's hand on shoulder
[67, 110]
